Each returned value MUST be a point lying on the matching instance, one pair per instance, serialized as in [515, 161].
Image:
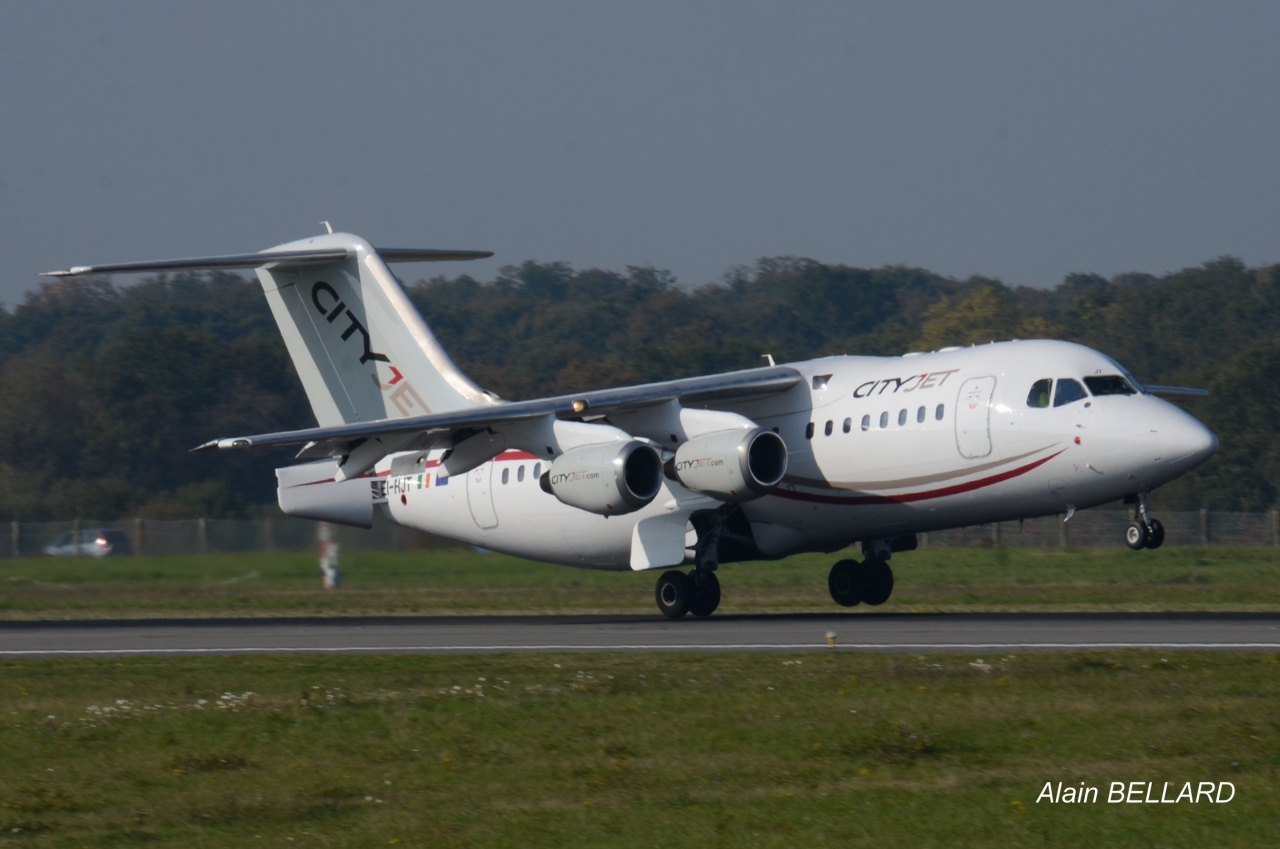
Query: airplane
[748, 465]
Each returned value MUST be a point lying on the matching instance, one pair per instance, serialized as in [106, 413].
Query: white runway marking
[902, 634]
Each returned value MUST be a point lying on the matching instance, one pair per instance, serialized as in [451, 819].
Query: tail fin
[360, 347]
[362, 350]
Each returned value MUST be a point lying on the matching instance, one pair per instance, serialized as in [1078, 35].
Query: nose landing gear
[1143, 531]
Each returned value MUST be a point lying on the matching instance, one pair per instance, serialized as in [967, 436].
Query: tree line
[106, 387]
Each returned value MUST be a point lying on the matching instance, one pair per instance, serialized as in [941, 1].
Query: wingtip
[235, 442]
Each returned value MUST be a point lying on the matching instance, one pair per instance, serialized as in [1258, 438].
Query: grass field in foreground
[834, 750]
[461, 581]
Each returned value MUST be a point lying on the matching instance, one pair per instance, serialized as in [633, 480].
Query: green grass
[835, 750]
[460, 581]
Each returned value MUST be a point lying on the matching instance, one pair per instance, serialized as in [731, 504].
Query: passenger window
[866, 422]
[902, 417]
[520, 474]
[808, 431]
[537, 470]
[506, 476]
[884, 420]
[1038, 397]
[1111, 384]
[1067, 391]
[920, 416]
[937, 414]
[827, 430]
[848, 425]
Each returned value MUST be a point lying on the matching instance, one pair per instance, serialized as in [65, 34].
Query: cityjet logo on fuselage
[893, 385]
[331, 305]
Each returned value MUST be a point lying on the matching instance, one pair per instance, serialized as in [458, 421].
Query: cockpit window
[1068, 390]
[1039, 395]
[1110, 384]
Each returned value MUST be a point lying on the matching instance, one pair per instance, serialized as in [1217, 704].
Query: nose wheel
[1143, 531]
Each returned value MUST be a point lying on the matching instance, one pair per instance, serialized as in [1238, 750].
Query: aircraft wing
[703, 391]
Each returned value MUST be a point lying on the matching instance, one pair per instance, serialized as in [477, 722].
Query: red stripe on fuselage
[909, 497]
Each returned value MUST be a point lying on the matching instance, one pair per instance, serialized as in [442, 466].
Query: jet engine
[610, 478]
[731, 465]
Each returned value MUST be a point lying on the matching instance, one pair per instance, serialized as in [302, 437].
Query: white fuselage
[878, 447]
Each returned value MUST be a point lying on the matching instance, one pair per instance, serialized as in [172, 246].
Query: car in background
[94, 542]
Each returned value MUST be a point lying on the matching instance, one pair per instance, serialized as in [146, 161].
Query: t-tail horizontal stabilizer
[267, 259]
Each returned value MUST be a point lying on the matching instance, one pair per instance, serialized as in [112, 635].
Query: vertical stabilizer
[360, 347]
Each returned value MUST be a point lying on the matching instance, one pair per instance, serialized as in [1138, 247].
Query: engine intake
[610, 479]
[731, 465]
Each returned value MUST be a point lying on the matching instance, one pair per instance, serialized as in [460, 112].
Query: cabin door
[973, 417]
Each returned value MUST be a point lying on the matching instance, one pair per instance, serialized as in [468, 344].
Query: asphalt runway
[866, 632]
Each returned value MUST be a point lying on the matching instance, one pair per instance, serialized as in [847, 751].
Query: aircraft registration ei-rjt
[749, 465]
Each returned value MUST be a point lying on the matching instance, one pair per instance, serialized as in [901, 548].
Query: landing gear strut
[870, 581]
[1143, 531]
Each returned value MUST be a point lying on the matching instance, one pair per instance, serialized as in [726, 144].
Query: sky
[1014, 140]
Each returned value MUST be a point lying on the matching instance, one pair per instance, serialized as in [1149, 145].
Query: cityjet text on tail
[749, 465]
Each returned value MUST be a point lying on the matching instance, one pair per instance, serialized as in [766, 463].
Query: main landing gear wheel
[706, 593]
[877, 582]
[843, 583]
[672, 593]
[851, 582]
[677, 593]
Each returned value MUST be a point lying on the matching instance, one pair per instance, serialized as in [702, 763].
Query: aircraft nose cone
[1185, 441]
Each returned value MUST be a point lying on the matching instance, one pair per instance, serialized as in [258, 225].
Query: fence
[1087, 529]
[204, 536]
[1105, 528]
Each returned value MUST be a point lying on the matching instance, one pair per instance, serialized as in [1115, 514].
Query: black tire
[672, 593]
[1155, 534]
[844, 583]
[1136, 536]
[706, 594]
[877, 582]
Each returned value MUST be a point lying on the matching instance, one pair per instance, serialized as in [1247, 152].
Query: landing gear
[677, 593]
[706, 593]
[672, 593]
[1143, 531]
[843, 583]
[1155, 534]
[870, 581]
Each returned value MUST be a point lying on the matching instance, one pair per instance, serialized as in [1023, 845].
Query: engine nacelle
[731, 465]
[610, 479]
